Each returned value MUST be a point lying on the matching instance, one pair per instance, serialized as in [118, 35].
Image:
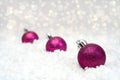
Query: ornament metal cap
[25, 30]
[49, 36]
[81, 43]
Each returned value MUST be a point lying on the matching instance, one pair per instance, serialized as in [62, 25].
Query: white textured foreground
[96, 21]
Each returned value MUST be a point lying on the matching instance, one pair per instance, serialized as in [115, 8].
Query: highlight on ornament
[29, 36]
[55, 43]
[90, 55]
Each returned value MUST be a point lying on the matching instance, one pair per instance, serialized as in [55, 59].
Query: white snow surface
[96, 21]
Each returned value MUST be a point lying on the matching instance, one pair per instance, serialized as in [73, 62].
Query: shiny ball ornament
[55, 43]
[91, 55]
[29, 37]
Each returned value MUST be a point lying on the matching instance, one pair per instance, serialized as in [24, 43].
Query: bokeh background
[96, 21]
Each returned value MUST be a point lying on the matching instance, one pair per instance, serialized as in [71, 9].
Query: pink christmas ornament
[55, 43]
[29, 37]
[91, 55]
